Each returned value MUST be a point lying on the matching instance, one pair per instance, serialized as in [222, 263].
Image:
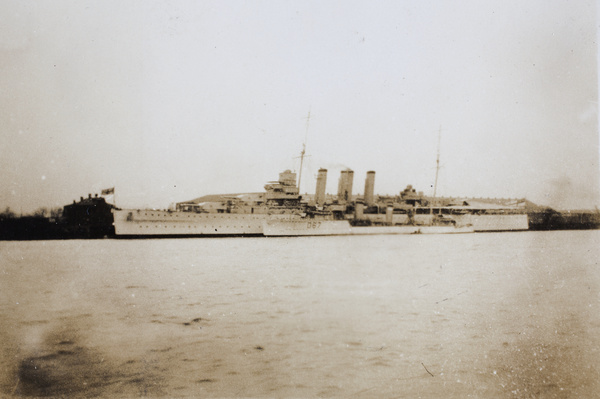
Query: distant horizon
[355, 196]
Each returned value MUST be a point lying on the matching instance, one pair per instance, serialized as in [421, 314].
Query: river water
[495, 315]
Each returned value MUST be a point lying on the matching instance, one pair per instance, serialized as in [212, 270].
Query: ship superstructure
[409, 212]
[214, 215]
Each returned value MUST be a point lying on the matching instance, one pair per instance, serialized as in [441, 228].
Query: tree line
[42, 212]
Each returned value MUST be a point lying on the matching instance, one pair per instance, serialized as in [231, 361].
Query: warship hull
[154, 224]
[305, 227]
[490, 223]
[310, 227]
[480, 222]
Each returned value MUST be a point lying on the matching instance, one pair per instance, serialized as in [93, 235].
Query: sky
[170, 100]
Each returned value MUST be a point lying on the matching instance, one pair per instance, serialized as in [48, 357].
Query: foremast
[303, 152]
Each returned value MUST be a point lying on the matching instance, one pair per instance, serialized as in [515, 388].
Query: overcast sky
[167, 101]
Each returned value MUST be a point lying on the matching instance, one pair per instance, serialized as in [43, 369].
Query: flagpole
[108, 192]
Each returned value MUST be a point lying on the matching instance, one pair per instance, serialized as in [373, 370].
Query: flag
[108, 191]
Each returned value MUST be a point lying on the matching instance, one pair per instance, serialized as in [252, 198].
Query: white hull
[151, 223]
[409, 229]
[305, 227]
[312, 227]
[146, 222]
[445, 230]
[481, 223]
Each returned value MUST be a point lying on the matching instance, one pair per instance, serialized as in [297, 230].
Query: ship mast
[303, 152]
[437, 163]
[437, 171]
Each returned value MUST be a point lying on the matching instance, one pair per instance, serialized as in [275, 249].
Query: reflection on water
[479, 315]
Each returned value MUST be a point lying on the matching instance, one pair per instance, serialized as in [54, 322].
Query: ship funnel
[345, 185]
[321, 184]
[369, 188]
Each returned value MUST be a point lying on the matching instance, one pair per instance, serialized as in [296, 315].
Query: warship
[281, 211]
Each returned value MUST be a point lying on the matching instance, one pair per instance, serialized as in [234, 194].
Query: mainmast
[303, 152]
[437, 171]
[437, 163]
